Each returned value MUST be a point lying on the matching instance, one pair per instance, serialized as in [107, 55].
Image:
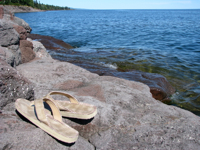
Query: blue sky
[126, 4]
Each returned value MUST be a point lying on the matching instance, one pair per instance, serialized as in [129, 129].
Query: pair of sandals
[36, 112]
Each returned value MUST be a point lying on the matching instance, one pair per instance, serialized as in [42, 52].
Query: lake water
[166, 42]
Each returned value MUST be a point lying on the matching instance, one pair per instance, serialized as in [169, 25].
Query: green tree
[7, 2]
[33, 3]
[22, 2]
[30, 3]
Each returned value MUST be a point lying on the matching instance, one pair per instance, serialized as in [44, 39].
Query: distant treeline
[32, 3]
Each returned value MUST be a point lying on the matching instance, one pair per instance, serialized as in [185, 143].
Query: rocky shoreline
[128, 116]
[16, 9]
[160, 88]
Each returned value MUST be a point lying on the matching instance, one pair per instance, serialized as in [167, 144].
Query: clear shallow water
[157, 41]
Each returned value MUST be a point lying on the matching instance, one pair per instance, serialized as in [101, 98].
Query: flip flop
[73, 108]
[41, 117]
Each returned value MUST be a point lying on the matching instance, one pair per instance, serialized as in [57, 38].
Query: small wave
[175, 96]
[84, 49]
[109, 65]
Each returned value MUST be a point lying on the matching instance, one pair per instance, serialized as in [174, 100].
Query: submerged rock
[49, 42]
[160, 88]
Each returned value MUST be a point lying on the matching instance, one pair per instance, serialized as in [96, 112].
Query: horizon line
[135, 8]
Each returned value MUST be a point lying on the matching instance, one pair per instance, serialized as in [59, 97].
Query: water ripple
[158, 41]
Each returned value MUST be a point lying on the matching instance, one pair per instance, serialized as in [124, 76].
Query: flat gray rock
[128, 117]
[8, 34]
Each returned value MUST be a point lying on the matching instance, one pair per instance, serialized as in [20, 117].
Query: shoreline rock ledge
[128, 117]
[15, 9]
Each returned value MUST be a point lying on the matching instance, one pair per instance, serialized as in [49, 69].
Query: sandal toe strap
[40, 110]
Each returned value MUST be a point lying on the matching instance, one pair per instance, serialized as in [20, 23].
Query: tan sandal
[73, 108]
[41, 117]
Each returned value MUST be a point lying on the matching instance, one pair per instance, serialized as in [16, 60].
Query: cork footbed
[41, 117]
[73, 108]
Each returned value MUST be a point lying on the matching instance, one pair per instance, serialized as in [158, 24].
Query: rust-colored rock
[12, 16]
[69, 84]
[91, 90]
[49, 42]
[22, 32]
[4, 11]
[1, 12]
[27, 52]
[160, 88]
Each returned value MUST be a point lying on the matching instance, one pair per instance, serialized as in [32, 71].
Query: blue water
[157, 41]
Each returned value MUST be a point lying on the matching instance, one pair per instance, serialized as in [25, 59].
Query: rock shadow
[80, 121]
[24, 118]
